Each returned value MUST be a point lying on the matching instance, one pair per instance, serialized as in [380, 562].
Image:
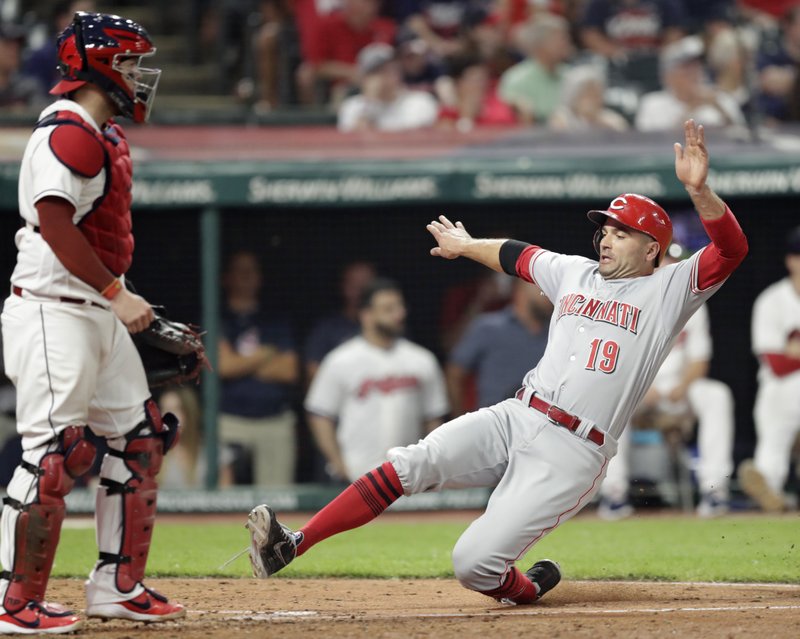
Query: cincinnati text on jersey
[621, 314]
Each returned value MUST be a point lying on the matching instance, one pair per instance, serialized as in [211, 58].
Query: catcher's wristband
[110, 291]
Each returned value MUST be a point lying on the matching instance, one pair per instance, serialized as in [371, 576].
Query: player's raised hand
[451, 238]
[691, 160]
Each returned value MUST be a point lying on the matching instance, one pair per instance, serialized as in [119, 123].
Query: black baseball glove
[172, 353]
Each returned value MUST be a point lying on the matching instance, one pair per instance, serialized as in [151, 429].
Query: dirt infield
[233, 608]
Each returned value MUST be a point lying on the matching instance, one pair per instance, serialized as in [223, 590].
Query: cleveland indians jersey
[603, 353]
[380, 398]
[776, 318]
[42, 174]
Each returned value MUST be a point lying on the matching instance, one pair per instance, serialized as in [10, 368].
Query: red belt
[561, 417]
[69, 300]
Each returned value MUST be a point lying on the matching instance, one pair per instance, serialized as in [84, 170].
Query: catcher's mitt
[172, 353]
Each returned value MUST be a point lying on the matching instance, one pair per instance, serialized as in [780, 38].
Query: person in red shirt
[331, 54]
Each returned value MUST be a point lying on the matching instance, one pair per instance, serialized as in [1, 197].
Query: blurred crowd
[570, 65]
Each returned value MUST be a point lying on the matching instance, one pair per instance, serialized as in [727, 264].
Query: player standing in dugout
[546, 450]
[68, 350]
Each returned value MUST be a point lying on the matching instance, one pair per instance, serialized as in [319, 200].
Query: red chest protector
[86, 152]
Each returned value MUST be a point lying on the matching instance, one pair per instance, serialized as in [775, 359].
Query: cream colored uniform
[72, 363]
[380, 398]
[776, 317]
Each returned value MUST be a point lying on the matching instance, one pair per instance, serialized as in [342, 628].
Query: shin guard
[126, 504]
[34, 511]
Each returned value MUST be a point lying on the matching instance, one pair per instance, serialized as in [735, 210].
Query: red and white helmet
[639, 213]
[98, 48]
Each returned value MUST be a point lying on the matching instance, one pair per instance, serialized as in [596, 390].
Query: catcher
[67, 328]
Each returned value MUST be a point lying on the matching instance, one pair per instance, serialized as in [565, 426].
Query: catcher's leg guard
[33, 514]
[125, 514]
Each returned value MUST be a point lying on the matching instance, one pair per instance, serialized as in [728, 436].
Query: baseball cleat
[712, 505]
[545, 575]
[149, 607]
[39, 618]
[272, 545]
[757, 488]
[614, 510]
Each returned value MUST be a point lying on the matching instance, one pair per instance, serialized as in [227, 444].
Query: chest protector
[85, 151]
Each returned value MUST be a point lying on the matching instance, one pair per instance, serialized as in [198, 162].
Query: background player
[682, 391]
[67, 345]
[776, 343]
[546, 450]
[376, 391]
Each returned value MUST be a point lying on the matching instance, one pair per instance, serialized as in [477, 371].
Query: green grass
[730, 549]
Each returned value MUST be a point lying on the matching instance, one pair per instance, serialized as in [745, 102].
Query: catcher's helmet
[639, 213]
[95, 48]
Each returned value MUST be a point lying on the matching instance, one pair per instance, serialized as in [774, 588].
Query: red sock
[362, 501]
[517, 588]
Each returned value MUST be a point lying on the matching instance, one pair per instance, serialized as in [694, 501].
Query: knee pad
[40, 515]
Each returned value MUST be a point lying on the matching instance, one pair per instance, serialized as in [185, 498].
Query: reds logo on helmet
[107, 50]
[639, 213]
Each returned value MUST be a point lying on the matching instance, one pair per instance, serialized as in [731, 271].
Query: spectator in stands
[332, 52]
[765, 13]
[187, 468]
[339, 327]
[421, 71]
[508, 14]
[581, 107]
[630, 34]
[258, 366]
[777, 62]
[273, 52]
[17, 91]
[40, 63]
[498, 349]
[532, 86]
[443, 24]
[385, 103]
[477, 101]
[375, 391]
[687, 93]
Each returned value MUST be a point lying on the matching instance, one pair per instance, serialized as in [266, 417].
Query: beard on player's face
[390, 330]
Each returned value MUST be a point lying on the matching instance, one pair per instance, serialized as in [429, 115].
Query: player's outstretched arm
[728, 243]
[691, 167]
[453, 241]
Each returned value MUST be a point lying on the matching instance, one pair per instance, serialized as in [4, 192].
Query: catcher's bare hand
[451, 238]
[691, 161]
[132, 310]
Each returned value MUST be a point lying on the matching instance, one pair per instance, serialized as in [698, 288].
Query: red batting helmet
[639, 213]
[97, 48]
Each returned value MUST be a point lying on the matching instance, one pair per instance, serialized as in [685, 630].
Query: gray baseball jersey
[607, 340]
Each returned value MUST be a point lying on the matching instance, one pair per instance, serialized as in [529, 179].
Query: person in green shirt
[532, 87]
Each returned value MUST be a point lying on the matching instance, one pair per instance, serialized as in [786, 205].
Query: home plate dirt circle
[440, 608]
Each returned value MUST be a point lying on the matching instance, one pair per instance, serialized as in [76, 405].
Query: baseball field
[649, 576]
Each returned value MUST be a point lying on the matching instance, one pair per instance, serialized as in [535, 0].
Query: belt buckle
[551, 419]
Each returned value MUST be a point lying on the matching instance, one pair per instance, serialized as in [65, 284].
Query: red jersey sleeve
[525, 262]
[726, 251]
